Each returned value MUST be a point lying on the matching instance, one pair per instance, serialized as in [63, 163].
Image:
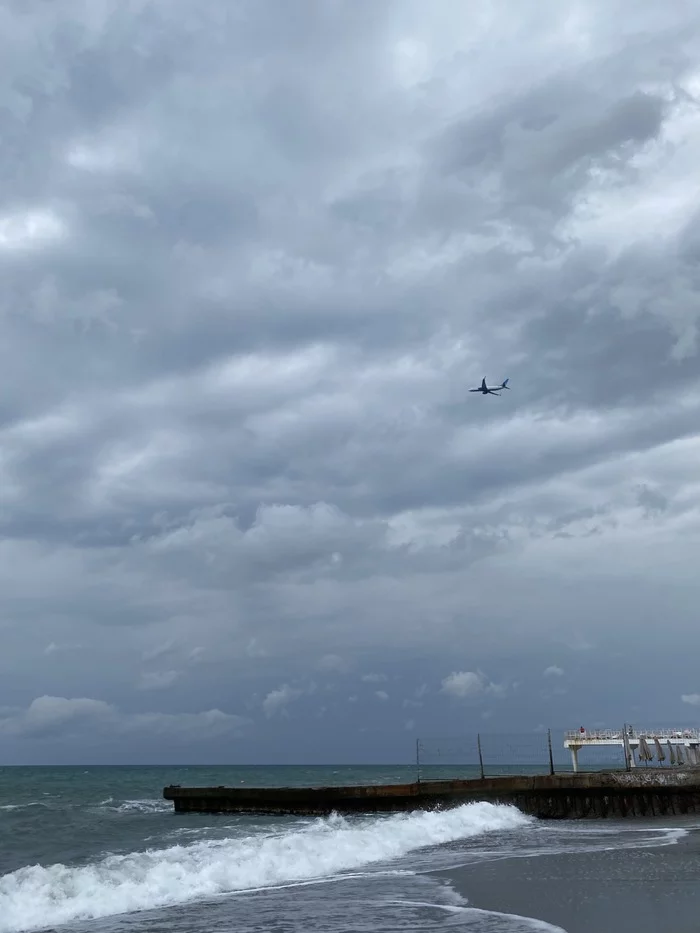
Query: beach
[646, 890]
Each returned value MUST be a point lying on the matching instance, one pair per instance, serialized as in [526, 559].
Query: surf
[37, 897]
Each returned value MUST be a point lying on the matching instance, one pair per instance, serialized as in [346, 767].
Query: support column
[574, 749]
[626, 747]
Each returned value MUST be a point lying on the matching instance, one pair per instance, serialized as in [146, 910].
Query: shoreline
[648, 890]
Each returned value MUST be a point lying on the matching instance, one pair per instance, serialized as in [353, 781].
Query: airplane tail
[504, 384]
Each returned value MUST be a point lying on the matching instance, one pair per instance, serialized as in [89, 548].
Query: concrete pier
[558, 796]
[678, 746]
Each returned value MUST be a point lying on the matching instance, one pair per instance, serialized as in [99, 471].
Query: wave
[38, 897]
[155, 805]
[22, 806]
[549, 838]
[490, 921]
[137, 806]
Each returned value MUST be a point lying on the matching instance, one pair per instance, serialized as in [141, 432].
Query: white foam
[514, 923]
[609, 839]
[547, 838]
[143, 806]
[474, 918]
[21, 806]
[38, 897]
[150, 805]
[490, 920]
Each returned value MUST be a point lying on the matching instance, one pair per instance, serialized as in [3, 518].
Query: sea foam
[39, 896]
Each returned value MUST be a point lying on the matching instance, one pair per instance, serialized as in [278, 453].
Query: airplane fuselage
[490, 390]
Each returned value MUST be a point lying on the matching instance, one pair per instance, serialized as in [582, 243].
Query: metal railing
[491, 754]
[598, 734]
[665, 734]
[603, 735]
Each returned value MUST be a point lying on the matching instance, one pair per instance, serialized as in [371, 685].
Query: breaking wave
[137, 806]
[22, 806]
[37, 897]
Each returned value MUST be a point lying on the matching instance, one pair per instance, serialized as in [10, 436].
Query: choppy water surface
[98, 849]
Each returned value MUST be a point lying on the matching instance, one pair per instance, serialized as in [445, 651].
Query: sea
[98, 850]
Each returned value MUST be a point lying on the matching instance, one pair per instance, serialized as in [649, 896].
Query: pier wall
[558, 796]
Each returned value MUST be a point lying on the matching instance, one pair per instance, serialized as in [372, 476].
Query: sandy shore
[654, 890]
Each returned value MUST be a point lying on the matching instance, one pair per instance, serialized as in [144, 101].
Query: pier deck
[655, 792]
[678, 746]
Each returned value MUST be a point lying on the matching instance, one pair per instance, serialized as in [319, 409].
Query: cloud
[53, 648]
[253, 649]
[553, 671]
[332, 663]
[382, 695]
[48, 713]
[237, 344]
[463, 684]
[374, 678]
[158, 680]
[159, 651]
[53, 717]
[692, 699]
[278, 699]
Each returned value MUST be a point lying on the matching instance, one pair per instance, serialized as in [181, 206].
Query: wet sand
[653, 890]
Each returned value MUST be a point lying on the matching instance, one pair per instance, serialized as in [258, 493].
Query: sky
[253, 255]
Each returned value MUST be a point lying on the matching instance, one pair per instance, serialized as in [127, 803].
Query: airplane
[491, 390]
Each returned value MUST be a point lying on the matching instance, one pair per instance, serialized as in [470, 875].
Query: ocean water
[97, 849]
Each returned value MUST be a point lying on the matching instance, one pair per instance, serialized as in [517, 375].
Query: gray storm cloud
[252, 257]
